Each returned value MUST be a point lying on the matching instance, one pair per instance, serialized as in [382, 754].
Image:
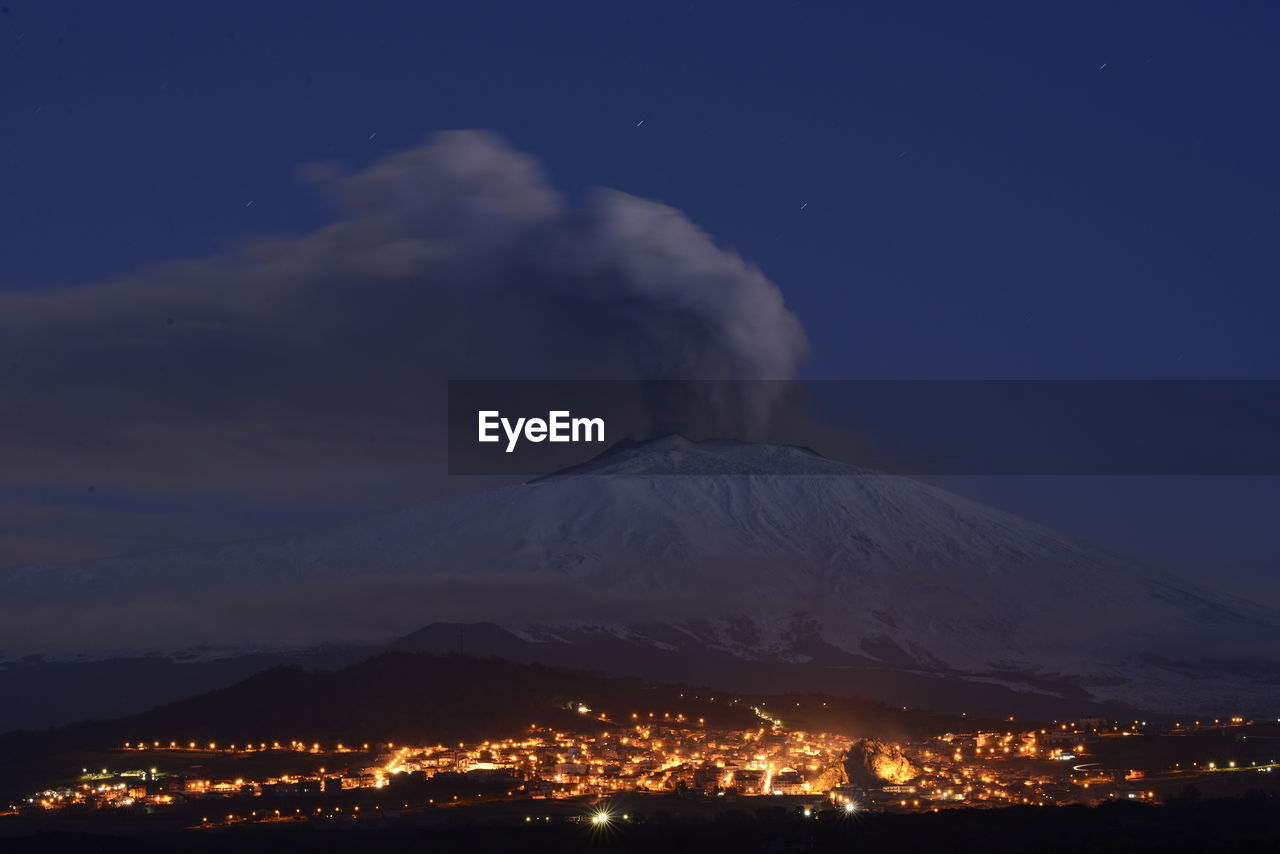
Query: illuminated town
[639, 756]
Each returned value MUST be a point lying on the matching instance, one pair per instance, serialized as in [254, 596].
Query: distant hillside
[394, 696]
[724, 555]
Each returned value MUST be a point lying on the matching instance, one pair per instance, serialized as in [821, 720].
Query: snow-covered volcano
[760, 552]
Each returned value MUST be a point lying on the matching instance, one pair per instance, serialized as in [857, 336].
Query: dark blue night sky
[991, 190]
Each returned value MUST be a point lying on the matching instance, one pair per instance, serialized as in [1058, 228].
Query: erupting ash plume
[451, 260]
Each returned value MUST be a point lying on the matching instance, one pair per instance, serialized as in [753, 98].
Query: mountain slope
[762, 552]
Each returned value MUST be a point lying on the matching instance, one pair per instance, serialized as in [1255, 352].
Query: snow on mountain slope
[765, 552]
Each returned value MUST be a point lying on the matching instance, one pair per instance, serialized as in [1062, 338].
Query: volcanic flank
[758, 553]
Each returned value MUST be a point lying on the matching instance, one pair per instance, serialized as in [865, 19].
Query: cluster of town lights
[665, 752]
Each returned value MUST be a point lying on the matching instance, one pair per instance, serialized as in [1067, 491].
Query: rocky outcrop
[872, 763]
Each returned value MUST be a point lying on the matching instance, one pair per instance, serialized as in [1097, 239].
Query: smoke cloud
[297, 364]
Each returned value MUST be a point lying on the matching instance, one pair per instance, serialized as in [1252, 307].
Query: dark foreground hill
[1230, 825]
[37, 693]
